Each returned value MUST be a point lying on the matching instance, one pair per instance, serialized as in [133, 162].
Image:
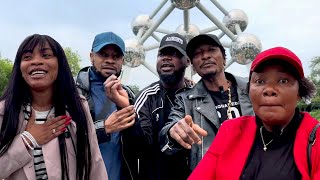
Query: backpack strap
[312, 140]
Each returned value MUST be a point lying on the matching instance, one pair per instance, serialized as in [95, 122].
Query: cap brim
[280, 57]
[176, 47]
[200, 39]
[99, 47]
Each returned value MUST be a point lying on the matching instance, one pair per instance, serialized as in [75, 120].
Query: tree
[315, 68]
[135, 89]
[73, 60]
[5, 73]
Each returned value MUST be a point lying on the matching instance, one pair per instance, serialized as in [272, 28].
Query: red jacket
[229, 151]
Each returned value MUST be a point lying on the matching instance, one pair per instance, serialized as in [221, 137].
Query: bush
[315, 114]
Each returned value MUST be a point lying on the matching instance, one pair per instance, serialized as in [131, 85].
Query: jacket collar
[188, 84]
[82, 79]
[200, 91]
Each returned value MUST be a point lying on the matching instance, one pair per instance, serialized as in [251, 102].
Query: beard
[94, 69]
[209, 75]
[174, 78]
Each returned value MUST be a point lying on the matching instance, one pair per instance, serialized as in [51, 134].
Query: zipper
[125, 160]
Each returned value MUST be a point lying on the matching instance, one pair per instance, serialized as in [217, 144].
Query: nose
[205, 55]
[37, 60]
[110, 60]
[270, 91]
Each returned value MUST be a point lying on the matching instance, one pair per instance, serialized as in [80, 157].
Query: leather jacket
[198, 103]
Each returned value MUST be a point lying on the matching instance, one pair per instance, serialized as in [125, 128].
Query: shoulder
[129, 91]
[241, 123]
[83, 72]
[241, 82]
[82, 78]
[150, 90]
[307, 124]
[234, 130]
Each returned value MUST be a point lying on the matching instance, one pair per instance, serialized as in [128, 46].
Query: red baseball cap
[279, 53]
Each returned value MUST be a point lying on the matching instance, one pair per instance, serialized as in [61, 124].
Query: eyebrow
[44, 49]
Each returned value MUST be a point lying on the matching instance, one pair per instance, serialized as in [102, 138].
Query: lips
[207, 64]
[37, 72]
[270, 105]
[167, 67]
[109, 68]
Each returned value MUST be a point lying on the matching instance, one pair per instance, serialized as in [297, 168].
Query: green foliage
[315, 114]
[315, 69]
[5, 73]
[73, 60]
[135, 89]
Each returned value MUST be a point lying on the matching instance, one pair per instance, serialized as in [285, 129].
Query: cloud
[290, 23]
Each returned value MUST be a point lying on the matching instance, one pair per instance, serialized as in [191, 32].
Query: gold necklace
[264, 144]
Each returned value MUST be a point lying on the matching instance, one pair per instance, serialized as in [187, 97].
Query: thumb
[188, 120]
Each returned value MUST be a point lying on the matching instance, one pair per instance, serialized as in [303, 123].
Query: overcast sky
[290, 23]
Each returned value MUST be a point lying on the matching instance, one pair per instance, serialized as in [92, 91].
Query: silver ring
[53, 131]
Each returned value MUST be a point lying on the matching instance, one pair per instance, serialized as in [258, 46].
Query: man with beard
[218, 96]
[109, 100]
[153, 105]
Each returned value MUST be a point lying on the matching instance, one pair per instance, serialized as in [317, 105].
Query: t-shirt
[221, 100]
[277, 162]
[38, 160]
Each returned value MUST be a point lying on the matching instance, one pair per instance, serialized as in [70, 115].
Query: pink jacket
[17, 162]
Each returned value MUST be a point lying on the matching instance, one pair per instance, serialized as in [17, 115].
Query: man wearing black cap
[153, 105]
[109, 100]
[194, 122]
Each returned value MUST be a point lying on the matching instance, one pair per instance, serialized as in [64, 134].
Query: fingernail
[64, 116]
[67, 122]
[69, 117]
[199, 142]
[188, 147]
[63, 129]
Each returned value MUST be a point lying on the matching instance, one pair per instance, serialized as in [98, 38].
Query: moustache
[207, 62]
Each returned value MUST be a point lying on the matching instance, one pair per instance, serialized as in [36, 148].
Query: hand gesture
[115, 92]
[52, 128]
[186, 133]
[120, 120]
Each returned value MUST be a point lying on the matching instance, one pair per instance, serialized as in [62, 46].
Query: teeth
[37, 72]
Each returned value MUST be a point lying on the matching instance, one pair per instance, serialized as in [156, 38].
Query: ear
[91, 57]
[188, 62]
[224, 61]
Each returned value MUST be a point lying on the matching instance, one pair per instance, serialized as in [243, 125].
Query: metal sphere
[184, 4]
[141, 21]
[135, 53]
[245, 48]
[192, 31]
[236, 16]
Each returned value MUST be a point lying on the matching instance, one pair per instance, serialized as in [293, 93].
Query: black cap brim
[202, 39]
[176, 47]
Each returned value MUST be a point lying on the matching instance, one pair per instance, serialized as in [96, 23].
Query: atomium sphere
[141, 21]
[192, 31]
[135, 53]
[185, 4]
[245, 48]
[236, 16]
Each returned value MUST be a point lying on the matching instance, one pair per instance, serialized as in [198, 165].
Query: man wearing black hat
[109, 101]
[195, 120]
[153, 105]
